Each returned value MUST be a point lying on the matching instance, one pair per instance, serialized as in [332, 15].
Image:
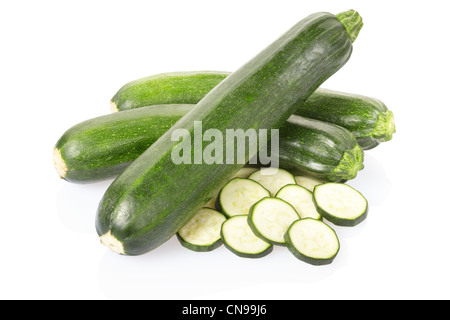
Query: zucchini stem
[385, 127]
[352, 22]
[351, 162]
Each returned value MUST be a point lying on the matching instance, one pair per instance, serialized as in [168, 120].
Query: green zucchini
[340, 204]
[103, 147]
[370, 121]
[154, 197]
[312, 241]
[178, 87]
[367, 118]
[202, 232]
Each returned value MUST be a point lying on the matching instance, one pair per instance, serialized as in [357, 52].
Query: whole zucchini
[177, 87]
[367, 118]
[154, 197]
[103, 147]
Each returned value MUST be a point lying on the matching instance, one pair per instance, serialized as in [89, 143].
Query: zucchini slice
[312, 241]
[340, 204]
[270, 218]
[308, 182]
[239, 238]
[273, 179]
[202, 232]
[238, 195]
[301, 199]
[242, 173]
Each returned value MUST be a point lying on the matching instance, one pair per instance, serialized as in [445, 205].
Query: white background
[61, 62]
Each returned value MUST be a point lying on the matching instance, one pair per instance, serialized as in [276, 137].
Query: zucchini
[202, 232]
[154, 197]
[370, 121]
[238, 195]
[301, 199]
[103, 147]
[270, 218]
[178, 87]
[272, 179]
[367, 118]
[239, 238]
[340, 204]
[319, 149]
[312, 241]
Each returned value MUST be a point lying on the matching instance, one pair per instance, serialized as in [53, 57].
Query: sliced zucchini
[242, 173]
[202, 232]
[270, 218]
[238, 195]
[239, 238]
[308, 182]
[312, 241]
[301, 199]
[340, 204]
[273, 179]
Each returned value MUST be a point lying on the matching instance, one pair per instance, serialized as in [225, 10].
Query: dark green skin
[357, 113]
[177, 87]
[101, 148]
[198, 248]
[152, 198]
[313, 147]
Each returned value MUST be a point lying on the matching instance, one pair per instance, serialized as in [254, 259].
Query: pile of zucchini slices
[260, 208]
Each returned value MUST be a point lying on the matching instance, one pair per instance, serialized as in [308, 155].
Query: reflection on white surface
[76, 205]
[372, 181]
[171, 272]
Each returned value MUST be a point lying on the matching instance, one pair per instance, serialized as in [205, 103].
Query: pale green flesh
[204, 228]
[237, 234]
[301, 199]
[340, 200]
[314, 239]
[273, 179]
[242, 173]
[308, 182]
[272, 217]
[238, 195]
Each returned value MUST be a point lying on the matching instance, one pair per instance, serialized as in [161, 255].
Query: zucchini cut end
[113, 107]
[350, 164]
[59, 163]
[112, 242]
[385, 127]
